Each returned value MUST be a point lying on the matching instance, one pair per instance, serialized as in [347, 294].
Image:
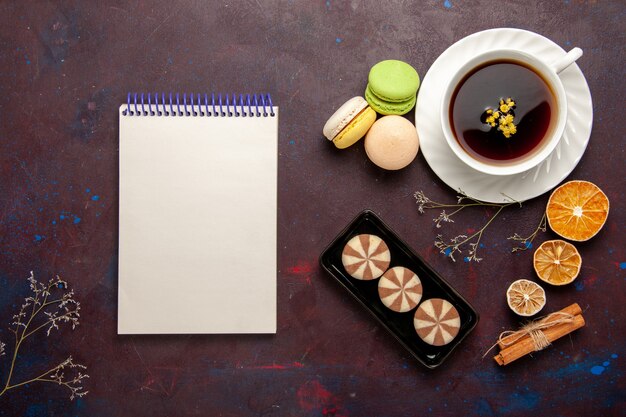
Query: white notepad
[197, 216]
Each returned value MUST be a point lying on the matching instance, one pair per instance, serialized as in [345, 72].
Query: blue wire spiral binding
[135, 99]
[144, 111]
[224, 105]
[156, 104]
[256, 104]
[150, 104]
[235, 112]
[126, 112]
[269, 99]
[263, 103]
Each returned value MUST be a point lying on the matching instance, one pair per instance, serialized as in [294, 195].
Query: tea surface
[483, 88]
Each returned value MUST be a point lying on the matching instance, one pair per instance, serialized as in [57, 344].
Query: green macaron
[388, 107]
[392, 86]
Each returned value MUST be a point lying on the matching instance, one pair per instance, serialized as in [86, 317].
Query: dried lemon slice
[525, 297]
[577, 210]
[557, 262]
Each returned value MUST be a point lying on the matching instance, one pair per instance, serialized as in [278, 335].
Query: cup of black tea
[504, 111]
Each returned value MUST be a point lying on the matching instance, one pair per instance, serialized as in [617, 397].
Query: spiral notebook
[197, 214]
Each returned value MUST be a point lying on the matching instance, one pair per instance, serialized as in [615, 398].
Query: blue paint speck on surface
[95, 198]
[579, 285]
[87, 190]
[38, 238]
[466, 259]
[614, 356]
[597, 370]
[447, 251]
[622, 265]
[328, 4]
[528, 245]
[36, 410]
[570, 370]
[447, 4]
[61, 217]
[338, 40]
[525, 401]
[292, 142]
[483, 408]
[606, 363]
[54, 222]
[76, 220]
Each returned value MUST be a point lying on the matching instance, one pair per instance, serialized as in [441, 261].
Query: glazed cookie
[365, 257]
[437, 322]
[400, 289]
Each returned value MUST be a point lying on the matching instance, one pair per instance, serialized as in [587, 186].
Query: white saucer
[493, 188]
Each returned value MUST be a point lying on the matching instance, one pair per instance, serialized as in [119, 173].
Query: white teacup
[549, 72]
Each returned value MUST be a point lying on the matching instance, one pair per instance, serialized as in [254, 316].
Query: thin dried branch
[525, 243]
[57, 375]
[457, 244]
[55, 304]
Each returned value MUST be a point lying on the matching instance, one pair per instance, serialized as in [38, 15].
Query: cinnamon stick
[573, 309]
[525, 345]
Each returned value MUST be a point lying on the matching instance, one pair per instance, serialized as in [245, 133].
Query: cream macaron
[392, 142]
[349, 123]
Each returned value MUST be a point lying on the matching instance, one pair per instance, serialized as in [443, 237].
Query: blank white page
[197, 224]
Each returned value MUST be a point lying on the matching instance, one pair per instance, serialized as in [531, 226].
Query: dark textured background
[65, 66]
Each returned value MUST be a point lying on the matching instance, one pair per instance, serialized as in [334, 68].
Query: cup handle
[566, 60]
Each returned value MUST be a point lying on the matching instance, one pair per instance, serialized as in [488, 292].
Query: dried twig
[56, 305]
[526, 243]
[455, 245]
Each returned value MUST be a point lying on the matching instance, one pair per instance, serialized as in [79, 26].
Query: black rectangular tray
[400, 325]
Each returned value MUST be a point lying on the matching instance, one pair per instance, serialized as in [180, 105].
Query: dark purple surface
[66, 66]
